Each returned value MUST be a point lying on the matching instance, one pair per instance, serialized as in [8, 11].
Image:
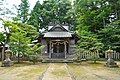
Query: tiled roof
[57, 34]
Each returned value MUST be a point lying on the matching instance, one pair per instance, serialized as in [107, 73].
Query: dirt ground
[24, 71]
[58, 71]
[90, 71]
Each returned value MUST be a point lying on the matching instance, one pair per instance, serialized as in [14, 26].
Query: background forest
[97, 22]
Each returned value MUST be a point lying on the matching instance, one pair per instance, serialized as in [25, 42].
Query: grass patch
[32, 71]
[25, 75]
[59, 72]
[21, 64]
[115, 70]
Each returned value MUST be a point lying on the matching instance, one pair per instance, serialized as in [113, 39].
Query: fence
[115, 55]
[84, 55]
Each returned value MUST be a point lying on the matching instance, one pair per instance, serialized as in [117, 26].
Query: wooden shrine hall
[59, 41]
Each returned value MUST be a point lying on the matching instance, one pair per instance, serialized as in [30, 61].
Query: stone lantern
[110, 62]
[7, 62]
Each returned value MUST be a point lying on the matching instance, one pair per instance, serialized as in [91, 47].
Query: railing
[84, 55]
[115, 55]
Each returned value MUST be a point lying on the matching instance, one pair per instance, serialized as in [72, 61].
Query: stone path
[57, 71]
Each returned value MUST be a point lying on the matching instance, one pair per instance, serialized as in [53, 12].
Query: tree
[1, 37]
[4, 12]
[110, 35]
[23, 11]
[19, 43]
[35, 15]
[30, 30]
[51, 11]
[93, 57]
[95, 14]
[89, 42]
[101, 18]
[20, 35]
[34, 52]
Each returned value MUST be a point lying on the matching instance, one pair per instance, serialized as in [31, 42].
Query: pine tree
[35, 19]
[51, 11]
[23, 11]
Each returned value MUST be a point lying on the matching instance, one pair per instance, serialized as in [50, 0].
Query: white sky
[9, 4]
[17, 2]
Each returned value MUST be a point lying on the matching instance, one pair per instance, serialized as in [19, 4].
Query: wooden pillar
[57, 47]
[50, 50]
[65, 49]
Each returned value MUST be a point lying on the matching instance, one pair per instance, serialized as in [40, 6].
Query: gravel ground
[58, 71]
[88, 71]
[22, 72]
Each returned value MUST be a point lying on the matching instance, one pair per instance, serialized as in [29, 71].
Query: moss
[32, 71]
[25, 63]
[59, 72]
[115, 70]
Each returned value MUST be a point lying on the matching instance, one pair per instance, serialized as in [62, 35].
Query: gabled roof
[63, 28]
[58, 31]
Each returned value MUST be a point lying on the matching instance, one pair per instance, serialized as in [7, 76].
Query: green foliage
[29, 30]
[23, 10]
[95, 14]
[1, 37]
[20, 36]
[19, 43]
[50, 11]
[89, 42]
[34, 52]
[100, 19]
[93, 57]
[78, 53]
[110, 35]
[35, 16]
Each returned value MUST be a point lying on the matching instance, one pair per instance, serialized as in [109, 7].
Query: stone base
[7, 64]
[111, 65]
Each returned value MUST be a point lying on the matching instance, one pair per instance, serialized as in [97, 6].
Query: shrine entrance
[58, 49]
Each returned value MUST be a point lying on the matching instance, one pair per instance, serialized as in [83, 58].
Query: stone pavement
[57, 71]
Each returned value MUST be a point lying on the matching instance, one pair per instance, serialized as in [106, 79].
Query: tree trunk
[3, 52]
[94, 61]
[33, 62]
[18, 58]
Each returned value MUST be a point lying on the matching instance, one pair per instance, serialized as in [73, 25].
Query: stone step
[57, 60]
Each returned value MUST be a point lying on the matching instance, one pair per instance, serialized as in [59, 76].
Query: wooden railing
[115, 55]
[84, 55]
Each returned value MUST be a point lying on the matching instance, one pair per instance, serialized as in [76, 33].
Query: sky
[17, 2]
[9, 4]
